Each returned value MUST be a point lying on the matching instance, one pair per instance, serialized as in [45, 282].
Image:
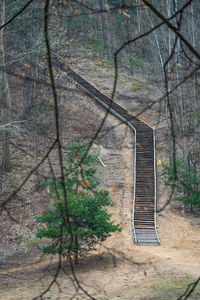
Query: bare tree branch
[173, 28]
[2, 204]
[17, 14]
[55, 98]
[190, 289]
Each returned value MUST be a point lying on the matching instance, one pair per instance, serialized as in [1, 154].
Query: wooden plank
[145, 178]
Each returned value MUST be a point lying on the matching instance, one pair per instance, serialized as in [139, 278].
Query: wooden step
[144, 223]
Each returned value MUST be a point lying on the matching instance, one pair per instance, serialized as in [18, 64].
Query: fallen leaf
[27, 66]
[139, 145]
[160, 162]
[4, 213]
[180, 66]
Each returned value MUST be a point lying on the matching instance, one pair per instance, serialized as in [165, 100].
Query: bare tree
[172, 46]
[5, 101]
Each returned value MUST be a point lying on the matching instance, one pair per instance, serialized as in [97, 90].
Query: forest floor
[118, 269]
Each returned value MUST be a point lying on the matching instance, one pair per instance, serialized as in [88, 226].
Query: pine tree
[187, 183]
[90, 221]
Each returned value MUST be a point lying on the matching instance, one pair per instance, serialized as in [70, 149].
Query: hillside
[119, 268]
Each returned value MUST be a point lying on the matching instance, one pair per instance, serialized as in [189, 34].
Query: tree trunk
[103, 29]
[76, 252]
[5, 104]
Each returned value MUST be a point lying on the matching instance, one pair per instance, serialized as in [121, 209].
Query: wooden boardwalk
[144, 202]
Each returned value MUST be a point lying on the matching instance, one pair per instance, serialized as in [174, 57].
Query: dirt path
[120, 269]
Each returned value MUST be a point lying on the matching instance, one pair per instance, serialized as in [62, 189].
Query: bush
[187, 183]
[90, 221]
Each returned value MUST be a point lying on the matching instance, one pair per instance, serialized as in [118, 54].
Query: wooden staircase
[144, 202]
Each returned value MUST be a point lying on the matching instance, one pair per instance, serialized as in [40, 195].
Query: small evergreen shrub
[187, 183]
[89, 219]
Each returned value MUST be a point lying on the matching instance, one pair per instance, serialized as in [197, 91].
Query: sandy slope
[118, 269]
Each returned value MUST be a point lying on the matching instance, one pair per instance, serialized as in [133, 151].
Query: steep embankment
[119, 268]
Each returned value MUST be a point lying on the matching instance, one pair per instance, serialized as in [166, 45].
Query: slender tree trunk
[5, 104]
[128, 37]
[76, 252]
[108, 36]
[103, 29]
